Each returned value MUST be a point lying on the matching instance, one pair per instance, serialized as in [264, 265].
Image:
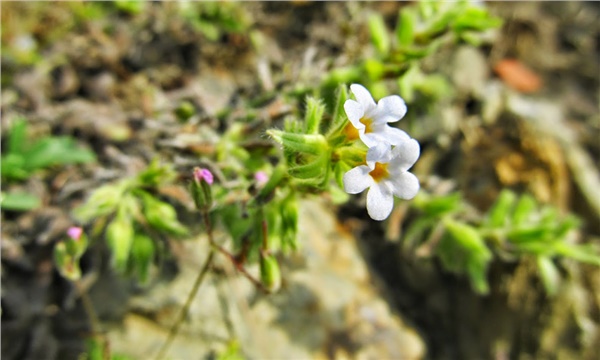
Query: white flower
[386, 174]
[371, 120]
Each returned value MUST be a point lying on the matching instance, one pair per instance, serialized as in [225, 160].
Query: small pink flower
[203, 174]
[261, 177]
[74, 232]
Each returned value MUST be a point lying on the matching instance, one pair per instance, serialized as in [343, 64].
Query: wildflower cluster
[360, 149]
[391, 152]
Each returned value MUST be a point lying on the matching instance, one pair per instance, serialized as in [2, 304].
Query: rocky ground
[114, 82]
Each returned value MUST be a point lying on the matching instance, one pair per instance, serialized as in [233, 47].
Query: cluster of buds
[391, 152]
[201, 190]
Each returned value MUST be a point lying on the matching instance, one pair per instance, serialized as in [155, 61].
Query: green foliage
[463, 250]
[515, 227]
[132, 7]
[421, 29]
[213, 19]
[232, 352]
[134, 218]
[270, 274]
[18, 201]
[99, 349]
[313, 158]
[24, 157]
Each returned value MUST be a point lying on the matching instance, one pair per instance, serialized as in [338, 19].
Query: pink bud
[261, 177]
[75, 232]
[203, 174]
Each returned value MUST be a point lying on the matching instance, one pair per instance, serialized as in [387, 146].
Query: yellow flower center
[380, 172]
[351, 132]
[367, 123]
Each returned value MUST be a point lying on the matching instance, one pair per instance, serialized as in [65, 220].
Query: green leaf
[156, 174]
[231, 352]
[464, 250]
[405, 33]
[119, 235]
[379, 33]
[18, 137]
[407, 83]
[583, 253]
[438, 205]
[289, 221]
[529, 234]
[440, 22]
[499, 214]
[313, 144]
[13, 167]
[571, 222]
[314, 114]
[161, 215]
[56, 151]
[525, 208]
[340, 169]
[237, 224]
[130, 6]
[474, 18]
[142, 256]
[343, 75]
[312, 170]
[339, 114]
[103, 201]
[276, 178]
[375, 69]
[19, 201]
[549, 274]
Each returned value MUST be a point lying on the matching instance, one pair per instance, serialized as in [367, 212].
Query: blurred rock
[91, 119]
[329, 307]
[470, 71]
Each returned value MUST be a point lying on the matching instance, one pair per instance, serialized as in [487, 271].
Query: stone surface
[328, 307]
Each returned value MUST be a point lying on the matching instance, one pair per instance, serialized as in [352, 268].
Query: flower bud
[201, 188]
[76, 242]
[75, 232]
[67, 265]
[261, 178]
[270, 274]
[162, 215]
[119, 234]
[201, 175]
[313, 144]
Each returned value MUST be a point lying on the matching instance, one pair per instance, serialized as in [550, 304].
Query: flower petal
[355, 112]
[405, 185]
[405, 155]
[357, 179]
[371, 139]
[389, 109]
[393, 135]
[363, 96]
[379, 202]
[381, 152]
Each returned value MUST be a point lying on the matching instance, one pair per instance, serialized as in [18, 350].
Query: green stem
[88, 307]
[199, 279]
